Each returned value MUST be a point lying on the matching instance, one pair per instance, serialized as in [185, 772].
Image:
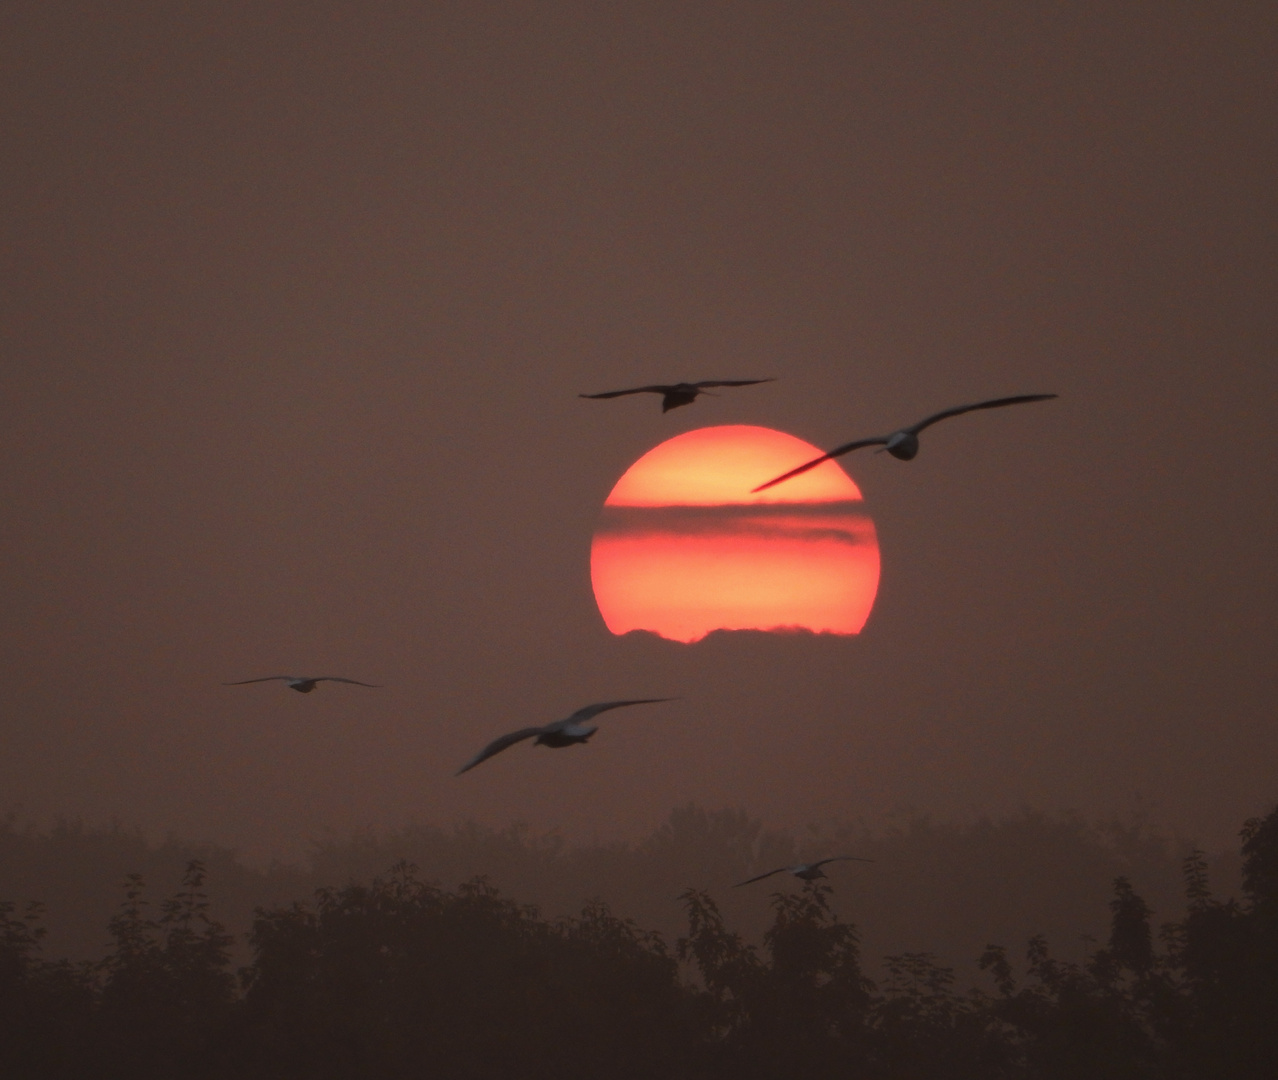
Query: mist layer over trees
[398, 977]
[944, 888]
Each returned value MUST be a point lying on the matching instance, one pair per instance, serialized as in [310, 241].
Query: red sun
[683, 548]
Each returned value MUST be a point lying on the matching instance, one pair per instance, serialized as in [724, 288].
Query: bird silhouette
[903, 444]
[558, 734]
[675, 394]
[805, 871]
[303, 684]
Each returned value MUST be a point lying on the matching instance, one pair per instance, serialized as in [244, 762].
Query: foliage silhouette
[942, 888]
[164, 991]
[400, 979]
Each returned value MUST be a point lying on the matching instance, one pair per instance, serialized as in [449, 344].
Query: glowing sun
[683, 548]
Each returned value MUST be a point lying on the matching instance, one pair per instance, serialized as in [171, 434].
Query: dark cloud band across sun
[844, 523]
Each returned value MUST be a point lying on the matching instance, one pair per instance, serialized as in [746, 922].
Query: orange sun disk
[684, 548]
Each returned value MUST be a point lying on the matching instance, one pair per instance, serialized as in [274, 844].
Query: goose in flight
[806, 871]
[303, 684]
[904, 444]
[557, 734]
[676, 394]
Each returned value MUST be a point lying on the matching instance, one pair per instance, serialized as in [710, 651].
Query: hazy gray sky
[297, 299]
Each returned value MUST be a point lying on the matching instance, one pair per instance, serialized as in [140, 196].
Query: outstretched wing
[338, 678]
[751, 881]
[594, 710]
[839, 858]
[498, 745]
[636, 390]
[731, 382]
[838, 451]
[959, 410]
[264, 678]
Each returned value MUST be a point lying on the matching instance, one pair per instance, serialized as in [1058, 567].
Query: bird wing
[636, 390]
[264, 678]
[731, 382]
[751, 881]
[594, 710]
[498, 745]
[338, 678]
[839, 858]
[959, 410]
[838, 451]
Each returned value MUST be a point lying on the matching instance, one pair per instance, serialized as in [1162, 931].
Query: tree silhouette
[803, 1007]
[165, 991]
[401, 979]
[924, 1029]
[45, 1008]
[1228, 954]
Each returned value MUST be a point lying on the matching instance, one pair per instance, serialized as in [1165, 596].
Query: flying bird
[676, 394]
[303, 684]
[557, 734]
[904, 444]
[805, 871]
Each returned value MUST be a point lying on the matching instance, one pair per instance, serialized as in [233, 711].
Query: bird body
[568, 735]
[303, 684]
[903, 444]
[673, 395]
[679, 394]
[557, 734]
[803, 871]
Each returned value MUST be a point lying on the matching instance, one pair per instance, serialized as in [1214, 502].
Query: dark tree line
[943, 887]
[402, 979]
